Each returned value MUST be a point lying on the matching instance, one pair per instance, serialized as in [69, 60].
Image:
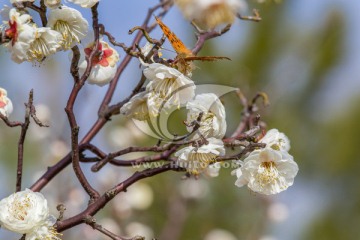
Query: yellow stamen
[67, 32]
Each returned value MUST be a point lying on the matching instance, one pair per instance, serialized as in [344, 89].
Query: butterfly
[183, 53]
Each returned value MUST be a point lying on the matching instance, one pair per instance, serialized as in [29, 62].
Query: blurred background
[303, 54]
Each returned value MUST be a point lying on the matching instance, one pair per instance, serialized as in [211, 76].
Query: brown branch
[35, 118]
[115, 109]
[127, 59]
[111, 38]
[102, 120]
[249, 113]
[203, 37]
[40, 10]
[9, 123]
[91, 221]
[93, 208]
[135, 162]
[74, 67]
[24, 128]
[251, 147]
[95, 51]
[69, 109]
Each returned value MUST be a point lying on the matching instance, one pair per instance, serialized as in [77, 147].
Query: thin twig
[24, 128]
[69, 109]
[35, 118]
[74, 67]
[203, 37]
[9, 123]
[40, 10]
[93, 208]
[251, 147]
[256, 16]
[135, 162]
[126, 61]
[89, 220]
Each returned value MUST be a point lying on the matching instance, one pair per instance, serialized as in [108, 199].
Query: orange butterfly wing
[175, 42]
[205, 58]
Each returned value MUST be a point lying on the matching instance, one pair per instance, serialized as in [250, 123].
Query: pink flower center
[2, 104]
[101, 57]
[12, 32]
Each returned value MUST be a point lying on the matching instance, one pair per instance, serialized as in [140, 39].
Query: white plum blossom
[70, 23]
[20, 1]
[167, 88]
[52, 3]
[46, 42]
[6, 106]
[137, 107]
[145, 50]
[85, 3]
[212, 122]
[103, 64]
[267, 171]
[213, 170]
[27, 212]
[21, 32]
[276, 140]
[43, 232]
[210, 13]
[197, 159]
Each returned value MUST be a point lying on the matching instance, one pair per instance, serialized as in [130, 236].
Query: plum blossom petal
[267, 171]
[46, 42]
[21, 32]
[137, 107]
[85, 3]
[6, 106]
[70, 23]
[103, 64]
[52, 3]
[212, 122]
[25, 212]
[167, 88]
[276, 140]
[210, 13]
[197, 159]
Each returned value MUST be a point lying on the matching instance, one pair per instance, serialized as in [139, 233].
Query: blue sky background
[341, 88]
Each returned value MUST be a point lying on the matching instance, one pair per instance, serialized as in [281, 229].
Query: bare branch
[40, 10]
[9, 123]
[91, 221]
[256, 16]
[75, 155]
[251, 147]
[93, 208]
[24, 128]
[204, 36]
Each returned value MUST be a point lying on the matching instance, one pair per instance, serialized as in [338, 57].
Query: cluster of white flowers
[269, 170]
[210, 13]
[27, 212]
[212, 123]
[66, 28]
[6, 106]
[197, 160]
[212, 127]
[168, 88]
